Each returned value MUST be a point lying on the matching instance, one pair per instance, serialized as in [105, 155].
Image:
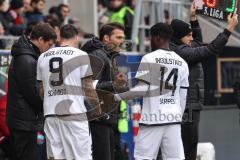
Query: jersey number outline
[174, 73]
[56, 70]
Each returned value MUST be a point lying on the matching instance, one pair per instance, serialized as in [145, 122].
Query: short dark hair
[53, 10]
[36, 1]
[30, 27]
[108, 29]
[62, 5]
[43, 30]
[53, 21]
[162, 30]
[1, 2]
[68, 31]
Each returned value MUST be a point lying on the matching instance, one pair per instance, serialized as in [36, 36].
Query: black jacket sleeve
[194, 55]
[98, 64]
[197, 32]
[25, 75]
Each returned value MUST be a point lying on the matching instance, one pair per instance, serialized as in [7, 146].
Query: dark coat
[104, 70]
[24, 105]
[194, 56]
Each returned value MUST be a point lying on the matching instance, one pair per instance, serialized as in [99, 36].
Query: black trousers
[102, 141]
[190, 136]
[24, 144]
[6, 148]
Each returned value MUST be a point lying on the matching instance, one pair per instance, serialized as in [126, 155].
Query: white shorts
[68, 139]
[151, 138]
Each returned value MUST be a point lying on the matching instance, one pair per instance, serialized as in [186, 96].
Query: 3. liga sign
[218, 9]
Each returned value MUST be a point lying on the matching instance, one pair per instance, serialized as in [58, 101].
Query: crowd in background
[17, 16]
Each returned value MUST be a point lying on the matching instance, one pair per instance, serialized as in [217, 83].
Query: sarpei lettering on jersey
[168, 61]
[58, 52]
[167, 101]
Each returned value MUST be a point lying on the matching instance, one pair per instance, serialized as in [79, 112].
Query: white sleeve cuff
[118, 97]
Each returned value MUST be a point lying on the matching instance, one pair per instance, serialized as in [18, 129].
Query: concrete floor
[222, 128]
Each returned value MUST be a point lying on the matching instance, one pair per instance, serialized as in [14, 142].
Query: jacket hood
[92, 45]
[23, 47]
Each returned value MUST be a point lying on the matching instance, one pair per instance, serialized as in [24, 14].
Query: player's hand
[232, 21]
[120, 80]
[193, 9]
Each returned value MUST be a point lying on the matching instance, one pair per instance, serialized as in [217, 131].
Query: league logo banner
[218, 9]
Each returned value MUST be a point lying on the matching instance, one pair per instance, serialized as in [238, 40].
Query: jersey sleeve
[39, 74]
[184, 77]
[86, 69]
[143, 72]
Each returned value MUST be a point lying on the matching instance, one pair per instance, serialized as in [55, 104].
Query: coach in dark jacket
[102, 52]
[24, 106]
[187, 42]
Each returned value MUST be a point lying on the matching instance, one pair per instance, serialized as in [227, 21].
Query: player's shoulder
[160, 52]
[44, 53]
[153, 54]
[77, 50]
[176, 56]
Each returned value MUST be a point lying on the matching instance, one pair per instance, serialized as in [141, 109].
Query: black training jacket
[24, 105]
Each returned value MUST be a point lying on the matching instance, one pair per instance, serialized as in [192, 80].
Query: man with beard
[107, 79]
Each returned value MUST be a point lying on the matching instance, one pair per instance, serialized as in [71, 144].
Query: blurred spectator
[55, 23]
[167, 18]
[36, 14]
[4, 23]
[2, 42]
[131, 3]
[81, 34]
[5, 144]
[27, 6]
[102, 13]
[17, 19]
[4, 17]
[53, 11]
[122, 14]
[29, 28]
[63, 12]
[3, 126]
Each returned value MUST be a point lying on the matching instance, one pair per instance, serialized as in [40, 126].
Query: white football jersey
[165, 72]
[61, 70]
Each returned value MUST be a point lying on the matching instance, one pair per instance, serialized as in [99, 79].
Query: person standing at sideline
[24, 105]
[162, 82]
[64, 76]
[187, 43]
[107, 78]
